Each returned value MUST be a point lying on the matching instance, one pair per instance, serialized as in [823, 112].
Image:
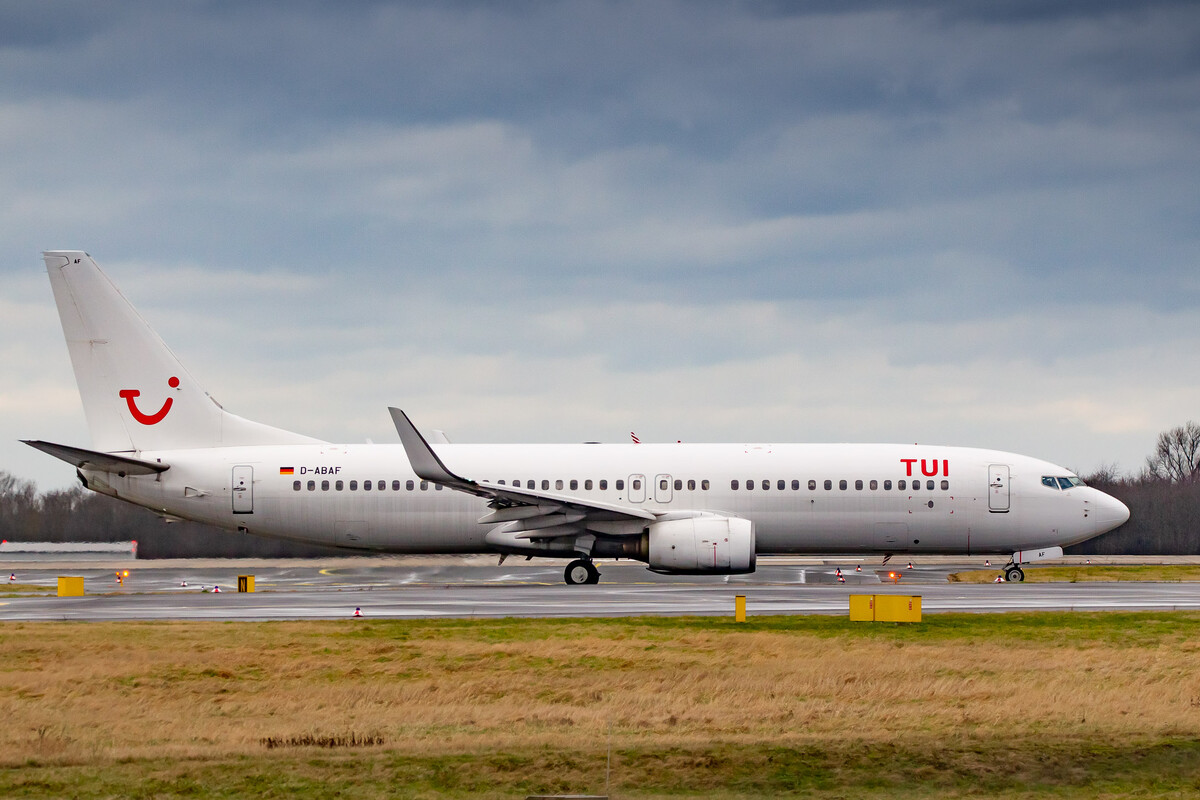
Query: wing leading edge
[529, 514]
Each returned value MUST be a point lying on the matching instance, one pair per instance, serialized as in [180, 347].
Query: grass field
[1013, 705]
[1089, 572]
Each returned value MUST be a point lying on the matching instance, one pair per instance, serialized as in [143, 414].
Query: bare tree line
[1163, 500]
[76, 515]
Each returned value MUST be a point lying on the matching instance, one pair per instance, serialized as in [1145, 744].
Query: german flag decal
[287, 471]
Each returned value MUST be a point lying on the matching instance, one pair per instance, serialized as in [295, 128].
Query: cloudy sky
[971, 223]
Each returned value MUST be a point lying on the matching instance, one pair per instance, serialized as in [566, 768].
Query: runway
[399, 589]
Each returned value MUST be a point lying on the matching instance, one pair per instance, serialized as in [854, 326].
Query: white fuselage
[801, 498]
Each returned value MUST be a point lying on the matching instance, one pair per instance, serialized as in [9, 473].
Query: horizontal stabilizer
[103, 462]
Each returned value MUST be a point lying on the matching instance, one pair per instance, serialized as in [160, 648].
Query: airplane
[160, 441]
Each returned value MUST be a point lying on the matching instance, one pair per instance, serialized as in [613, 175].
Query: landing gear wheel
[581, 570]
[1013, 574]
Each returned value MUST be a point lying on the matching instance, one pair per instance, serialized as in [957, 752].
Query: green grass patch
[24, 588]
[969, 767]
[1170, 573]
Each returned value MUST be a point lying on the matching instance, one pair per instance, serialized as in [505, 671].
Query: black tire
[593, 574]
[1014, 574]
[579, 571]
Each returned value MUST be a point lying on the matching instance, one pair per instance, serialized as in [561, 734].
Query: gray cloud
[972, 222]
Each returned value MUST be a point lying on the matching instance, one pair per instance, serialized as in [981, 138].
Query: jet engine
[705, 545]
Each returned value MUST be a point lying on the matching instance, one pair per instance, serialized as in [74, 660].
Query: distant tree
[1176, 456]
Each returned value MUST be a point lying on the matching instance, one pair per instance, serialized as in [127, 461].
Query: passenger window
[662, 484]
[381, 485]
[842, 484]
[424, 486]
[312, 486]
[574, 484]
[603, 484]
[766, 484]
[501, 481]
[795, 485]
[858, 485]
[324, 486]
[874, 485]
[704, 485]
[619, 484]
[558, 484]
[530, 484]
[366, 486]
[295, 486]
[781, 485]
[353, 485]
[945, 486]
[337, 486]
[828, 485]
[733, 484]
[929, 485]
[812, 486]
[409, 485]
[679, 484]
[395, 486]
[545, 484]
[437, 487]
[691, 486]
[588, 484]
[887, 486]
[900, 485]
[750, 484]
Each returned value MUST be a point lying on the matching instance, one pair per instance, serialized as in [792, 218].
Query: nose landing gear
[581, 570]
[1013, 574]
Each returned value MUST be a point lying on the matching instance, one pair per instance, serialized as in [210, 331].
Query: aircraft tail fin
[136, 394]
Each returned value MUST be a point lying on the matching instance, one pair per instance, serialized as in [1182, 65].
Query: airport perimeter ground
[1025, 704]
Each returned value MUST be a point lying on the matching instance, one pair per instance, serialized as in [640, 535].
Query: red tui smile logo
[148, 419]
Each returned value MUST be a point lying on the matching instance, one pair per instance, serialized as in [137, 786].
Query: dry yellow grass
[94, 693]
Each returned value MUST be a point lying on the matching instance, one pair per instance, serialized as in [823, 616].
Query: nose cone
[1110, 513]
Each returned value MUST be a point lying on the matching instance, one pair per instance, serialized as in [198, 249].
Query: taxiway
[449, 588]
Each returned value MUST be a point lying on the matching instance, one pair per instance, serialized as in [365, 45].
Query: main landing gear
[1013, 574]
[581, 570]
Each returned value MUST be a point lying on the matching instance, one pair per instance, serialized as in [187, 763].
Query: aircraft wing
[532, 514]
[104, 462]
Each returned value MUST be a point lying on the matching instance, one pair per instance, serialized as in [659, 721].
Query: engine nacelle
[708, 545]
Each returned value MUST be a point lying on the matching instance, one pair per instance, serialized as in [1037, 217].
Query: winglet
[424, 461]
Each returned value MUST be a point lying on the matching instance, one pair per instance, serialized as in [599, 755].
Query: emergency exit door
[243, 490]
[998, 493]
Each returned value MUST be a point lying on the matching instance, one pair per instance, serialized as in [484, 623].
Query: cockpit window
[1061, 483]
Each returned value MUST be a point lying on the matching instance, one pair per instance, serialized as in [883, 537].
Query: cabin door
[998, 493]
[662, 488]
[243, 490]
[637, 488]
